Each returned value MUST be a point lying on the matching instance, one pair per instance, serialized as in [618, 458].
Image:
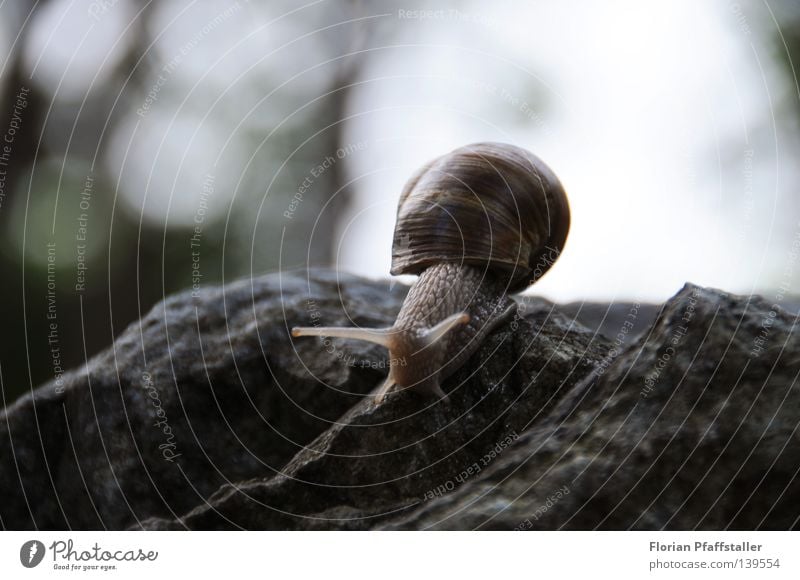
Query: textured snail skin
[475, 224]
[441, 291]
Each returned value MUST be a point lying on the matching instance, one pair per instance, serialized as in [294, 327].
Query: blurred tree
[66, 176]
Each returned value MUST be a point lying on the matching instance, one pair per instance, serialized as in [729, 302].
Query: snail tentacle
[380, 336]
[433, 335]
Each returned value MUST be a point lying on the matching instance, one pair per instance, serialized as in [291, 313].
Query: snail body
[475, 224]
[470, 303]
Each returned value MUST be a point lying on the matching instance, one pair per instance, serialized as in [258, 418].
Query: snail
[477, 224]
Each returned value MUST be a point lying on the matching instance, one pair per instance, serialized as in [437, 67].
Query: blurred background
[149, 147]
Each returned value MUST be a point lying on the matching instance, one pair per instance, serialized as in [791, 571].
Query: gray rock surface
[201, 392]
[207, 415]
[692, 427]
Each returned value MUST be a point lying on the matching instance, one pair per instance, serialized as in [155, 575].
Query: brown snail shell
[486, 203]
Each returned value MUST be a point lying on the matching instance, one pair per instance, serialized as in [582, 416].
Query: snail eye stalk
[437, 332]
[374, 335]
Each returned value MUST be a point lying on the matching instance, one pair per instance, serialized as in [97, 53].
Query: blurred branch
[323, 250]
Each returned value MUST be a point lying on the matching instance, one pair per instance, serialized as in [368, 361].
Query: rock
[609, 318]
[207, 415]
[694, 426]
[377, 462]
[201, 392]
